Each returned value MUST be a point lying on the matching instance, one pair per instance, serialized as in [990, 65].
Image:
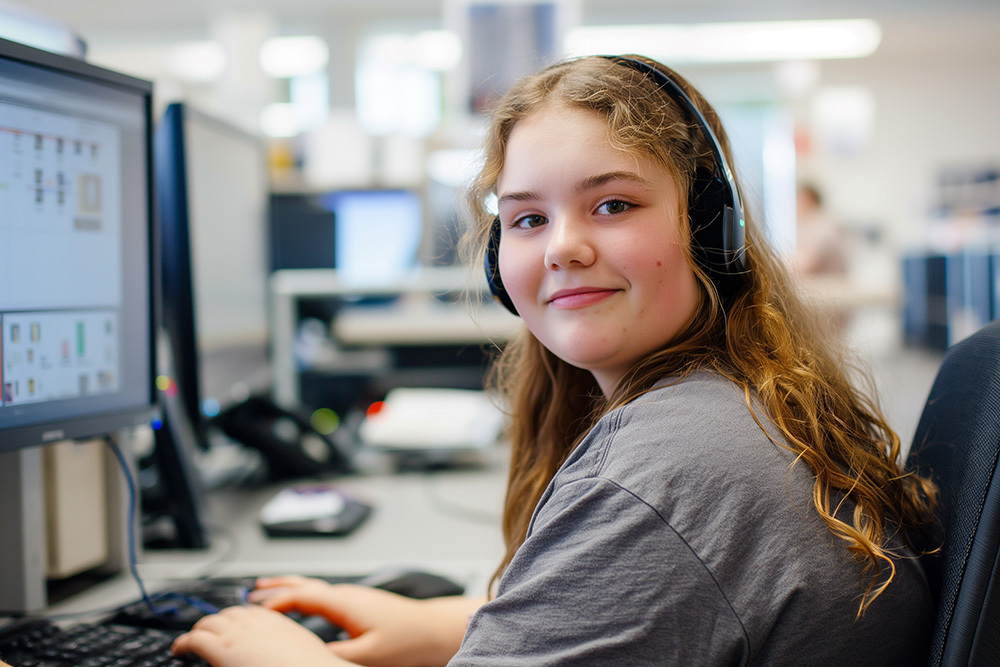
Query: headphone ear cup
[492, 265]
[717, 243]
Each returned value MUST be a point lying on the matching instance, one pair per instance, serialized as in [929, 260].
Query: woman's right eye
[529, 221]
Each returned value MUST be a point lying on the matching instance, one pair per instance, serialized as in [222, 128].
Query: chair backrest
[957, 443]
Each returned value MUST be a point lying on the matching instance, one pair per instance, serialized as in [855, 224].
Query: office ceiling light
[288, 57]
[758, 41]
[199, 62]
[436, 50]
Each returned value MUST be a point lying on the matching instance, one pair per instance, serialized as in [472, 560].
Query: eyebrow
[589, 183]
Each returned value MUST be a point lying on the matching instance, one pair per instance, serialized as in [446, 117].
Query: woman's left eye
[613, 207]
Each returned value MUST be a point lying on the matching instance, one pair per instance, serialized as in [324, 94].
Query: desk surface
[446, 522]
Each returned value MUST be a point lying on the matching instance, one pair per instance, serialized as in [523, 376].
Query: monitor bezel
[106, 421]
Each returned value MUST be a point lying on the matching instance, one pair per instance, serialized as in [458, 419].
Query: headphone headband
[672, 88]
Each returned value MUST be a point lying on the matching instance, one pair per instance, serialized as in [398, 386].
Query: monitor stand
[22, 525]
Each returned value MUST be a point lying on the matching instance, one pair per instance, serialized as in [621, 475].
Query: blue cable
[149, 601]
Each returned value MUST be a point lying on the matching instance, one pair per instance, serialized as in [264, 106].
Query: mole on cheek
[659, 263]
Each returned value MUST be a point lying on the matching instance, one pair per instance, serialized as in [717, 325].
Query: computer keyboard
[139, 634]
[40, 643]
[187, 600]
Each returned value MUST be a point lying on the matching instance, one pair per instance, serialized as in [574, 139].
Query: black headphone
[718, 228]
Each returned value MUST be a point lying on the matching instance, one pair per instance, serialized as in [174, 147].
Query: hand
[384, 628]
[250, 636]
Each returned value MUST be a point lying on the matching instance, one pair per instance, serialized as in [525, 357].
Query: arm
[601, 577]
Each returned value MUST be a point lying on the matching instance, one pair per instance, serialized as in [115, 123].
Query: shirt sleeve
[602, 579]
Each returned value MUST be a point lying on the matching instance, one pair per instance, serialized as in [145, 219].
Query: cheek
[515, 273]
[675, 279]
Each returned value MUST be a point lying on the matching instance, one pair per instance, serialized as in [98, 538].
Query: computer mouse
[414, 583]
[411, 583]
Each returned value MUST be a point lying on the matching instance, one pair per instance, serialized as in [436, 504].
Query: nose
[569, 244]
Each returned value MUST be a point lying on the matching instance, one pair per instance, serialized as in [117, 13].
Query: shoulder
[695, 431]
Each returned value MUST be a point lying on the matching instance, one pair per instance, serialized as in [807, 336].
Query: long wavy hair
[758, 336]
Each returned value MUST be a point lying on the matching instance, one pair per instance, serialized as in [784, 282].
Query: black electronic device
[302, 232]
[185, 601]
[77, 316]
[41, 642]
[378, 234]
[212, 186]
[212, 189]
[288, 442]
[715, 208]
[313, 510]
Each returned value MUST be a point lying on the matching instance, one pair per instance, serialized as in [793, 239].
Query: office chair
[957, 442]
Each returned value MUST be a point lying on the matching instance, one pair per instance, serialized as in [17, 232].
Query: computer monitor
[212, 185]
[77, 306]
[302, 232]
[377, 234]
[76, 278]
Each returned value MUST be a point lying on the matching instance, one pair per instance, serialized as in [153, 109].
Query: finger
[336, 609]
[280, 580]
[258, 595]
[361, 649]
[195, 641]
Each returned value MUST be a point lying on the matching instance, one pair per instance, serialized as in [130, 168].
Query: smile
[580, 297]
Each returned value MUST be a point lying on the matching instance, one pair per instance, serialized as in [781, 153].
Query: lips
[580, 297]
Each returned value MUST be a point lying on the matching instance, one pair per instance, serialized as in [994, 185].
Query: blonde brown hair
[760, 337]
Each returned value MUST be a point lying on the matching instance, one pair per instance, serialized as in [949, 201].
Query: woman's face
[591, 250]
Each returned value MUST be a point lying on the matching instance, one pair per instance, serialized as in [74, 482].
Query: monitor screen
[377, 234]
[76, 283]
[212, 185]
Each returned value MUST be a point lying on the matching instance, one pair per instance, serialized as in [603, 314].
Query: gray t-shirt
[677, 533]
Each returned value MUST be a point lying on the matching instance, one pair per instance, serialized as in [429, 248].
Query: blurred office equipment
[948, 295]
[213, 192]
[371, 236]
[378, 234]
[425, 427]
[423, 335]
[302, 232]
[951, 284]
[77, 352]
[380, 315]
[957, 443]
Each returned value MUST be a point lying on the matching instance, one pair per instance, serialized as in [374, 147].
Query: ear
[492, 265]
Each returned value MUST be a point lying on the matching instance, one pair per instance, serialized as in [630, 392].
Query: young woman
[693, 478]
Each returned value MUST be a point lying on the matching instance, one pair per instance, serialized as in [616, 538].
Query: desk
[418, 321]
[445, 522]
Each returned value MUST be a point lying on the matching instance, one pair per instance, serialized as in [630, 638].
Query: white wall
[937, 104]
